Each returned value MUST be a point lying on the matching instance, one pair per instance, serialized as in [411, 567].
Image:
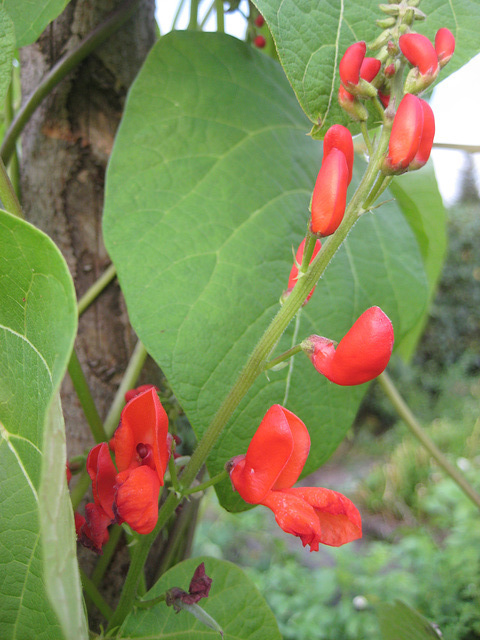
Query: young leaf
[398, 620]
[41, 594]
[30, 17]
[234, 603]
[203, 205]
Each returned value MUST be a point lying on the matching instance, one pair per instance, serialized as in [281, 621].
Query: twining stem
[86, 399]
[412, 423]
[254, 366]
[96, 289]
[7, 194]
[13, 167]
[220, 16]
[108, 549]
[193, 22]
[60, 70]
[80, 489]
[94, 595]
[131, 374]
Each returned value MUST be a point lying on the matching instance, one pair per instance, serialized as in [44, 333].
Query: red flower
[259, 41]
[426, 139]
[131, 393]
[419, 51]
[339, 137]
[406, 134]
[274, 459]
[259, 20]
[292, 280]
[362, 354]
[136, 499]
[350, 64]
[330, 194]
[444, 45]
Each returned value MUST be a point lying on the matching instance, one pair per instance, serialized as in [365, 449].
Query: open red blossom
[274, 460]
[141, 438]
[339, 137]
[426, 139]
[102, 473]
[292, 280]
[330, 194]
[131, 393]
[419, 51]
[362, 354]
[93, 533]
[406, 134]
[444, 45]
[136, 499]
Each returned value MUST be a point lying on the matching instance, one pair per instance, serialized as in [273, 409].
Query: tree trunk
[65, 149]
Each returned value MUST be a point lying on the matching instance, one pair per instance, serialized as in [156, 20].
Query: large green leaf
[30, 17]
[7, 47]
[234, 602]
[418, 196]
[311, 37]
[399, 621]
[40, 590]
[207, 191]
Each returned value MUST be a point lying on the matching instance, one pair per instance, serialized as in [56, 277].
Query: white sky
[455, 101]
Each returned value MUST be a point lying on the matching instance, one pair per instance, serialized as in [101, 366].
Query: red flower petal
[132, 393]
[267, 456]
[426, 140]
[102, 472]
[301, 448]
[419, 51]
[292, 280]
[406, 133]
[94, 532]
[362, 354]
[351, 62]
[369, 69]
[143, 421]
[136, 501]
[330, 194]
[444, 45]
[339, 137]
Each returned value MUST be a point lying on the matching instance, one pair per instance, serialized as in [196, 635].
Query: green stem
[96, 289]
[207, 15]
[173, 475]
[146, 604]
[61, 69]
[7, 194]
[252, 369]
[130, 376]
[94, 595]
[13, 166]
[208, 483]
[193, 23]
[177, 14]
[366, 137]
[284, 356]
[108, 550]
[220, 16]
[378, 188]
[308, 250]
[80, 489]
[412, 423]
[86, 400]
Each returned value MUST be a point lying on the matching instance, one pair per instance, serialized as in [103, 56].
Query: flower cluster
[266, 474]
[128, 490]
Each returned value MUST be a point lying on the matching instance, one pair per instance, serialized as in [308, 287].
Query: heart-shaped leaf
[311, 38]
[234, 603]
[207, 193]
[41, 593]
[30, 17]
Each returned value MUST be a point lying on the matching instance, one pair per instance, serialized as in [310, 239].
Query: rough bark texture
[65, 149]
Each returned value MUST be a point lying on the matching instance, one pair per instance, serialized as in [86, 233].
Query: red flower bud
[369, 68]
[419, 52]
[406, 134]
[259, 20]
[444, 45]
[426, 140]
[292, 280]
[350, 64]
[275, 458]
[362, 354]
[389, 70]
[330, 194]
[384, 99]
[259, 41]
[339, 137]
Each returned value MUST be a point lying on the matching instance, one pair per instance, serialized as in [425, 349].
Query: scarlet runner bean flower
[444, 45]
[369, 68]
[426, 139]
[405, 136]
[292, 280]
[362, 354]
[420, 52]
[330, 194]
[265, 475]
[129, 491]
[339, 137]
